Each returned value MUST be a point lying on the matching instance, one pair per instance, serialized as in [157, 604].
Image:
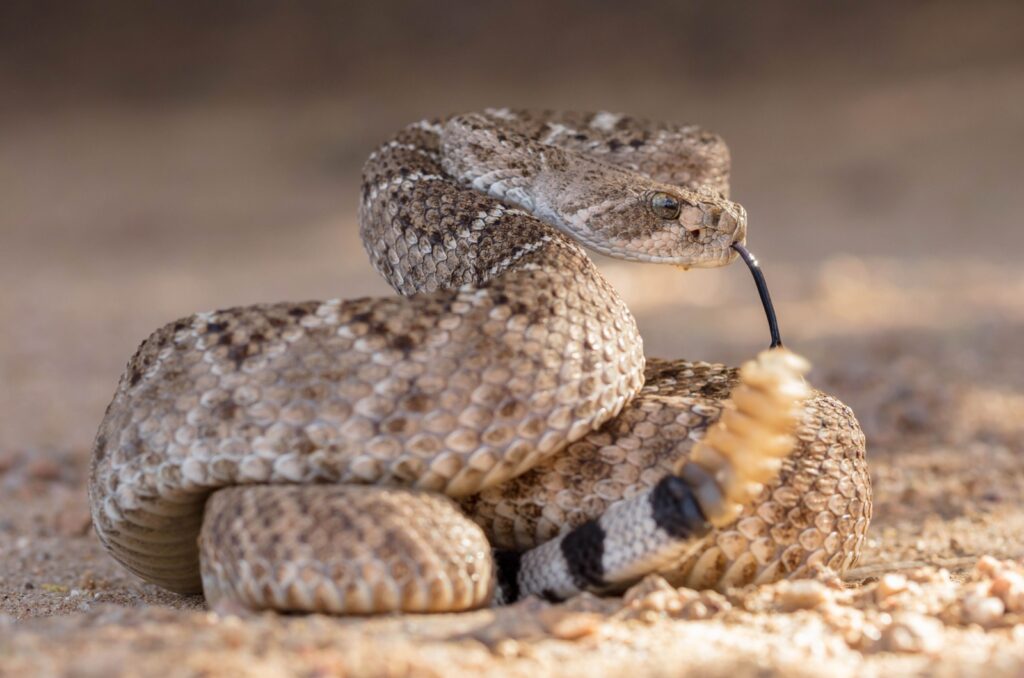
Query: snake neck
[426, 229]
[559, 187]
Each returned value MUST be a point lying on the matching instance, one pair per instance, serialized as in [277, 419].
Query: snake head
[613, 210]
[659, 223]
[627, 215]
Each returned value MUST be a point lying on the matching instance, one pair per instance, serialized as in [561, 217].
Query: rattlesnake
[309, 446]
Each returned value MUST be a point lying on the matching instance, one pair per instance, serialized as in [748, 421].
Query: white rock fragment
[914, 633]
[803, 594]
[890, 584]
[983, 610]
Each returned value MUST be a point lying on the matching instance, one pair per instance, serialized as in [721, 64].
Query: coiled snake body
[310, 446]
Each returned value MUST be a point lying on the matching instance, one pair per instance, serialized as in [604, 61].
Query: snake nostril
[713, 216]
[725, 222]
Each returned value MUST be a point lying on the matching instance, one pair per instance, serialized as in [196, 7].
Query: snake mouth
[762, 290]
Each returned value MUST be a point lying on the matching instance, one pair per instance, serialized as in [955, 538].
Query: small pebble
[639, 593]
[913, 633]
[983, 610]
[802, 594]
[507, 648]
[570, 625]
[891, 584]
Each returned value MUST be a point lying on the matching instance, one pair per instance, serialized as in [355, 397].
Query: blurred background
[162, 158]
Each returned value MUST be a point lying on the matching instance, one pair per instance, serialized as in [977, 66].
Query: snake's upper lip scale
[762, 290]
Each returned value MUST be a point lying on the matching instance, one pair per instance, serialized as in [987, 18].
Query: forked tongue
[762, 289]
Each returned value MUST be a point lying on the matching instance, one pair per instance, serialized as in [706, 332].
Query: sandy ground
[889, 239]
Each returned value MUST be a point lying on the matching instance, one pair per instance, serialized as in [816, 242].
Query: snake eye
[665, 206]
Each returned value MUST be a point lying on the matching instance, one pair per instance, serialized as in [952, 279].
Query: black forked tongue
[762, 289]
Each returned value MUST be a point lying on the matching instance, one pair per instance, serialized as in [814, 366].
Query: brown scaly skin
[817, 512]
[534, 362]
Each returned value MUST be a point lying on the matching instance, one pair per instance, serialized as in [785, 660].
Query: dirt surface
[884, 198]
